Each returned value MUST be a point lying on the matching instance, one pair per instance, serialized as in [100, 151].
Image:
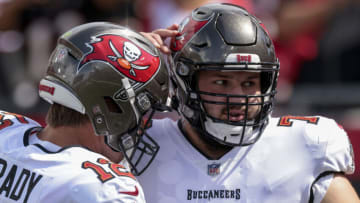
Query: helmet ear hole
[112, 106]
[202, 13]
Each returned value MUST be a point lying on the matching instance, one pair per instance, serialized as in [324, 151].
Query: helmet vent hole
[141, 41]
[112, 106]
[202, 45]
[201, 13]
[73, 56]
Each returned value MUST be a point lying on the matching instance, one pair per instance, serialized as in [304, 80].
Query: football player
[101, 81]
[226, 147]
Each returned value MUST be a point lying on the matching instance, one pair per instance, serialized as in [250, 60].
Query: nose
[236, 95]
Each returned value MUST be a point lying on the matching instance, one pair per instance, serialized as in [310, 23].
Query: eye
[248, 84]
[220, 82]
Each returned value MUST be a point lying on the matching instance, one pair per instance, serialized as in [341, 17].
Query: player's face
[232, 83]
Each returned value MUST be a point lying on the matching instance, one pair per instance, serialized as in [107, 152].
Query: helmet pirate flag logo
[124, 56]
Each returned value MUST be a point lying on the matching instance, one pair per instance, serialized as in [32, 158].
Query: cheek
[254, 109]
[257, 99]
[213, 109]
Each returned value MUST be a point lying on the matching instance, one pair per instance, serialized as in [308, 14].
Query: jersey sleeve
[11, 127]
[112, 191]
[336, 154]
[10, 121]
[330, 146]
[339, 155]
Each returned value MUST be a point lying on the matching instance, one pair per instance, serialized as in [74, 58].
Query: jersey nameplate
[16, 182]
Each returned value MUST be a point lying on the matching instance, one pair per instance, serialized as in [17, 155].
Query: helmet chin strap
[233, 135]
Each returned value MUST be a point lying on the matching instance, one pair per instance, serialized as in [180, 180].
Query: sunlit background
[317, 42]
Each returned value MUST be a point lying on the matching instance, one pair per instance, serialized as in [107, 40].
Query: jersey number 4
[105, 175]
[286, 120]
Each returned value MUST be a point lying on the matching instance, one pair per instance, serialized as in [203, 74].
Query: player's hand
[158, 36]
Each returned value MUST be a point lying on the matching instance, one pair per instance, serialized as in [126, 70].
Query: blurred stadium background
[317, 41]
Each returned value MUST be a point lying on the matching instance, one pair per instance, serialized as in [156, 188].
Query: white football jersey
[36, 171]
[294, 157]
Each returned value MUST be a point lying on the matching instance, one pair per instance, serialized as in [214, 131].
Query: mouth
[235, 115]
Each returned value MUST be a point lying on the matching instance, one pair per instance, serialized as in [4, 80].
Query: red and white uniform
[294, 156]
[36, 171]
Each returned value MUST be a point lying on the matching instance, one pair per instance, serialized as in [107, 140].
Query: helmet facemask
[138, 148]
[228, 131]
